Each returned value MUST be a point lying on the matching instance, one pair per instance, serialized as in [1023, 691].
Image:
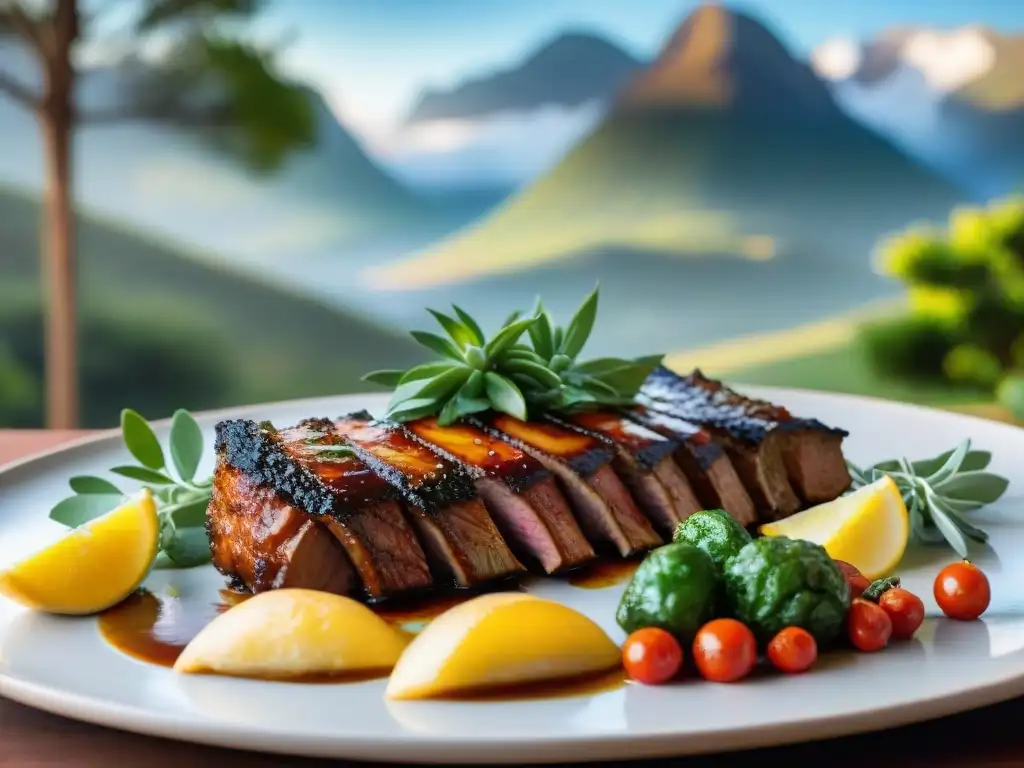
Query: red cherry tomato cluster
[725, 650]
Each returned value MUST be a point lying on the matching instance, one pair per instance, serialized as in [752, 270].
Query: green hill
[160, 331]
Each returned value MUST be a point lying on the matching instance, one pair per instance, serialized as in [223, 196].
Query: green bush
[908, 347]
[966, 287]
[147, 356]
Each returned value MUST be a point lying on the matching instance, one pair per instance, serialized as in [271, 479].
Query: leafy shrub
[971, 364]
[966, 288]
[910, 346]
[147, 356]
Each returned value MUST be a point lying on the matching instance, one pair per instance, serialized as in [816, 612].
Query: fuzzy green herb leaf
[86, 484]
[141, 441]
[143, 475]
[79, 510]
[181, 505]
[939, 491]
[186, 445]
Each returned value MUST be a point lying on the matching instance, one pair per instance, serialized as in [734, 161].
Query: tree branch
[18, 92]
[14, 16]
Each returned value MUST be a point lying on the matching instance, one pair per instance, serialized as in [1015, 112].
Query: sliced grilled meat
[260, 542]
[452, 521]
[704, 462]
[606, 511]
[305, 474]
[644, 460]
[368, 518]
[753, 444]
[811, 452]
[520, 493]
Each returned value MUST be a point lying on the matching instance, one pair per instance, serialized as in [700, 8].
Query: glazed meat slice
[261, 542]
[810, 452]
[704, 462]
[303, 474]
[644, 460]
[368, 519]
[454, 525]
[753, 445]
[583, 464]
[520, 493]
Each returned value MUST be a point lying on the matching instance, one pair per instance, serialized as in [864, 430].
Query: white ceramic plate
[62, 665]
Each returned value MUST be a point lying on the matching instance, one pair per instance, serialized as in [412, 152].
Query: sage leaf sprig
[604, 381]
[181, 499]
[509, 373]
[938, 492]
[471, 376]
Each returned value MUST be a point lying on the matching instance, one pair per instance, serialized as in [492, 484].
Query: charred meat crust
[260, 542]
[698, 442]
[710, 402]
[582, 453]
[646, 446]
[441, 498]
[359, 510]
[255, 450]
[432, 484]
[480, 453]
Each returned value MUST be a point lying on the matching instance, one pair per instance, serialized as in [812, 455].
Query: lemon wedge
[293, 633]
[93, 567]
[501, 639]
[869, 528]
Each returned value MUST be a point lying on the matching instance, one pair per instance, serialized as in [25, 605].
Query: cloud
[510, 146]
[837, 59]
[949, 60]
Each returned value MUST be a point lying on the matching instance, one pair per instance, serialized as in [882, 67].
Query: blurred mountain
[158, 176]
[953, 97]
[725, 145]
[568, 71]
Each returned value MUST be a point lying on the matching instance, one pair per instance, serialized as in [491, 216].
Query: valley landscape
[721, 185]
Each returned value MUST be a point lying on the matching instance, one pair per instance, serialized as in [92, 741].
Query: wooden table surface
[985, 737]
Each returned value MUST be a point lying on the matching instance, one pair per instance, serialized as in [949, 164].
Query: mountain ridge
[568, 70]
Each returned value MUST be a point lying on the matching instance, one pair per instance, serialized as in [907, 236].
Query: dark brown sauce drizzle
[156, 628]
[605, 573]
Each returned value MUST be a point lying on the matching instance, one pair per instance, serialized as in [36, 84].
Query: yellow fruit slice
[93, 567]
[869, 528]
[500, 639]
[294, 633]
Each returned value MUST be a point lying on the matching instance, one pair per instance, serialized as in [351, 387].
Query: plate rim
[423, 749]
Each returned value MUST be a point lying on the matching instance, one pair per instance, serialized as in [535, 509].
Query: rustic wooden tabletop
[985, 737]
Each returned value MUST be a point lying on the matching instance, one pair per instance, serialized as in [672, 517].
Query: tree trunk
[59, 274]
[58, 238]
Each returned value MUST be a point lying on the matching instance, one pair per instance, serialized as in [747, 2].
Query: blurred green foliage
[129, 358]
[966, 291]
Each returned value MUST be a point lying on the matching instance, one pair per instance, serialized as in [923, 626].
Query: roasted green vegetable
[714, 531]
[778, 582]
[676, 588]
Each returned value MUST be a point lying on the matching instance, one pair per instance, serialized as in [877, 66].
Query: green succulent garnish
[504, 374]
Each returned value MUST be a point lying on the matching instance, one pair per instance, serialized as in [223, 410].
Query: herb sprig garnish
[504, 374]
[939, 491]
[181, 499]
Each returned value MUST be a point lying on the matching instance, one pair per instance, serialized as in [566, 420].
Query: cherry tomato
[905, 609]
[793, 650]
[857, 581]
[962, 591]
[652, 656]
[868, 626]
[724, 650]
